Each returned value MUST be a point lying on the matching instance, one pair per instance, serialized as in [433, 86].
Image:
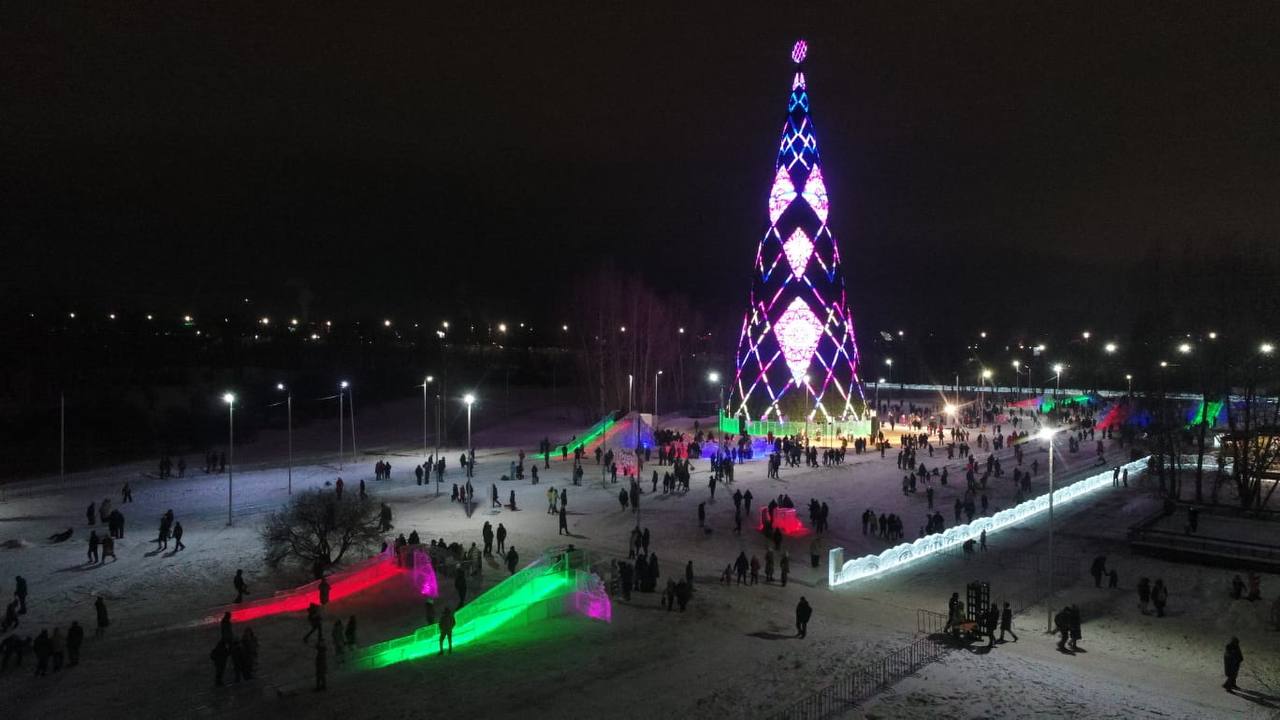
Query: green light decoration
[1206, 413]
[548, 587]
[595, 431]
[782, 428]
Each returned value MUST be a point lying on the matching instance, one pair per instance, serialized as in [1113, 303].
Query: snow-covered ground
[732, 654]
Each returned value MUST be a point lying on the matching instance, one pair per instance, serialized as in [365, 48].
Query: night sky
[385, 159]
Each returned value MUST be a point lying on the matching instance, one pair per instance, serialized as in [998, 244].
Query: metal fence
[856, 687]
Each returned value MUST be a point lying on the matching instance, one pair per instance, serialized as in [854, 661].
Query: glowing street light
[1085, 334]
[502, 327]
[1266, 348]
[1110, 348]
[655, 398]
[1047, 434]
[230, 400]
[342, 388]
[1184, 348]
[425, 382]
[386, 323]
[470, 400]
[289, 426]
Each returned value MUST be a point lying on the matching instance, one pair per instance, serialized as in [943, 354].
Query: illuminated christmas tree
[797, 359]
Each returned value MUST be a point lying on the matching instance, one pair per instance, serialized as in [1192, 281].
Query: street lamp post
[982, 405]
[470, 400]
[1057, 380]
[230, 400]
[713, 377]
[342, 386]
[1128, 378]
[288, 401]
[655, 399]
[426, 381]
[1047, 434]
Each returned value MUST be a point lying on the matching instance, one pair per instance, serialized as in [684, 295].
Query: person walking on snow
[1232, 658]
[241, 588]
[447, 622]
[1006, 623]
[803, 613]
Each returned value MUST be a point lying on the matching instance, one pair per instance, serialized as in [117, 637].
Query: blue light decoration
[840, 572]
[797, 359]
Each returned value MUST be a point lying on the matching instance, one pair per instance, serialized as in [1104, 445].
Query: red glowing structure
[416, 566]
[784, 519]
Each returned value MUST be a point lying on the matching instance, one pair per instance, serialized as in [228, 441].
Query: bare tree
[629, 329]
[316, 528]
[1254, 443]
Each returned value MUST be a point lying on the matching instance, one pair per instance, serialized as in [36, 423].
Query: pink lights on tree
[782, 194]
[798, 332]
[815, 193]
[798, 249]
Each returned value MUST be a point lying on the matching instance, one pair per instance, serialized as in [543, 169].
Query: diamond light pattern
[798, 248]
[798, 332]
[782, 194]
[798, 323]
[815, 193]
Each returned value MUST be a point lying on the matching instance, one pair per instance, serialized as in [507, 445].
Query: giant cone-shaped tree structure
[797, 359]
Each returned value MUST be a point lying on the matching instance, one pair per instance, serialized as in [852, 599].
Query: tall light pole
[655, 399]
[878, 382]
[1017, 371]
[713, 377]
[982, 406]
[631, 383]
[230, 400]
[1057, 379]
[1128, 378]
[427, 381]
[288, 400]
[1047, 434]
[342, 388]
[470, 400]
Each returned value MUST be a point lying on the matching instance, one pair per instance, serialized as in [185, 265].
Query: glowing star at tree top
[798, 248]
[798, 51]
[798, 332]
